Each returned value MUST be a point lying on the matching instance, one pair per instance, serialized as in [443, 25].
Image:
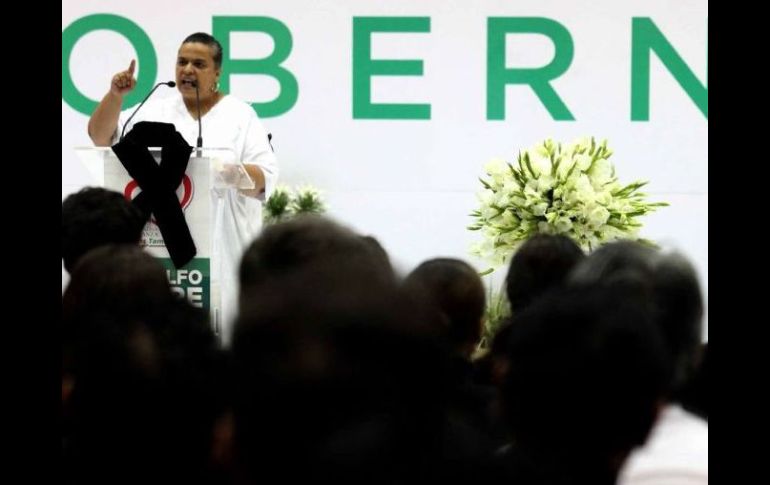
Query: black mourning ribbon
[160, 181]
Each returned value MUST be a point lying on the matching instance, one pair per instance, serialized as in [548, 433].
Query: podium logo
[184, 192]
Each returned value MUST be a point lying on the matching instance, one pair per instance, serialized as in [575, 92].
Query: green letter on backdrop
[364, 67]
[498, 76]
[645, 38]
[145, 53]
[271, 65]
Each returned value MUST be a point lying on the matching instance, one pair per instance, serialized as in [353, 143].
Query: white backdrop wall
[412, 182]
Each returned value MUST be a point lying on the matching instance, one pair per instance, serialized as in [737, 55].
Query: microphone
[170, 84]
[200, 126]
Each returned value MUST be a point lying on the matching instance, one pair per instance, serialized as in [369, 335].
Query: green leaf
[529, 165]
[519, 178]
[569, 172]
[624, 191]
[555, 164]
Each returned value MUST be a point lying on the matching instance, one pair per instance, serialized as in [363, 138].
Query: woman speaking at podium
[225, 122]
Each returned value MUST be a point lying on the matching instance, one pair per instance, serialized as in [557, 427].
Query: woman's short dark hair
[204, 38]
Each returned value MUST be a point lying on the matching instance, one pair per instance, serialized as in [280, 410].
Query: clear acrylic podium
[208, 170]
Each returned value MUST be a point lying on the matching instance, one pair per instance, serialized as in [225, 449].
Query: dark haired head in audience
[113, 280]
[541, 264]
[454, 289]
[585, 378]
[109, 282]
[120, 279]
[301, 241]
[671, 286]
[144, 369]
[95, 216]
[330, 372]
[146, 397]
[333, 369]
[452, 295]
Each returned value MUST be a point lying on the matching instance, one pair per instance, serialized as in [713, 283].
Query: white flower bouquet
[556, 189]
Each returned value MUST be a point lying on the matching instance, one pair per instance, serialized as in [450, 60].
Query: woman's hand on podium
[124, 81]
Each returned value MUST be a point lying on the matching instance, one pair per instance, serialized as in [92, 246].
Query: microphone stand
[170, 84]
[200, 126]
